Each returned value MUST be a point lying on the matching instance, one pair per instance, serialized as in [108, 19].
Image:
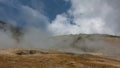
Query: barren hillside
[108, 45]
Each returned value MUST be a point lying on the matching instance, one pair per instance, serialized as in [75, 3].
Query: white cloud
[60, 25]
[87, 15]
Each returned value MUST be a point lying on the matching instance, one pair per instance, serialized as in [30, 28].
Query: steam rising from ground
[35, 38]
[15, 37]
[84, 16]
[88, 16]
[30, 17]
[6, 40]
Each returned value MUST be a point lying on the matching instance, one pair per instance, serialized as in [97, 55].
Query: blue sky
[11, 9]
[64, 16]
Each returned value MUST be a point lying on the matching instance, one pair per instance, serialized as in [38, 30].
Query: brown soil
[38, 58]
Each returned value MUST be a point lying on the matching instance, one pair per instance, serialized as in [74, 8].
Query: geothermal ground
[69, 51]
[40, 58]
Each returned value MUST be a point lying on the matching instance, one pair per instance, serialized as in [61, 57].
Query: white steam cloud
[86, 16]
[35, 24]
[6, 40]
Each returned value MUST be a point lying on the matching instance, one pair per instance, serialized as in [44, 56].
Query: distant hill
[87, 43]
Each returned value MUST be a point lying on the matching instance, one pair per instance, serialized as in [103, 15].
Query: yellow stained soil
[51, 59]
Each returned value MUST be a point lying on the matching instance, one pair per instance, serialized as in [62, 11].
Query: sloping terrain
[108, 45]
[69, 51]
[40, 58]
